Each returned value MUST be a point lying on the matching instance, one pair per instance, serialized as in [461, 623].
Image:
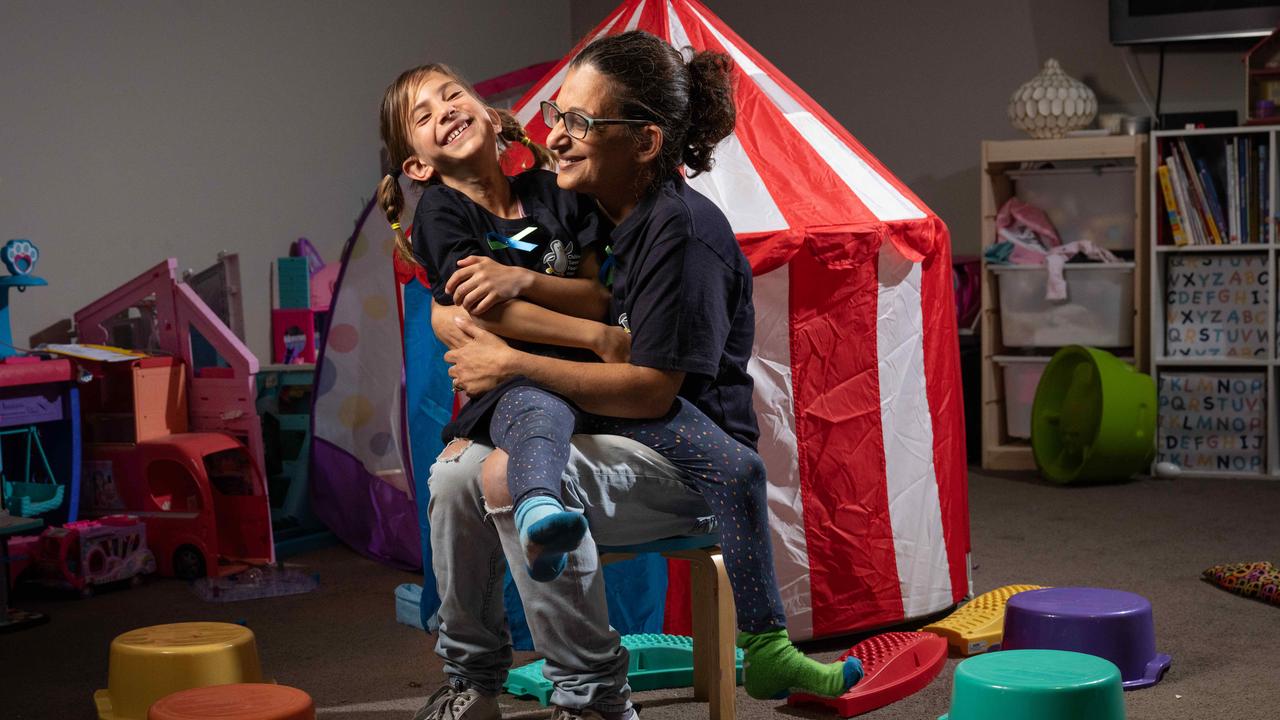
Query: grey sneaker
[564, 713]
[451, 703]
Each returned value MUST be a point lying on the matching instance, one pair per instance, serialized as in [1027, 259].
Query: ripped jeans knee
[493, 484]
[452, 452]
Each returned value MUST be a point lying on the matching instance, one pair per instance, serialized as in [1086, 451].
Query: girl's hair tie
[395, 226]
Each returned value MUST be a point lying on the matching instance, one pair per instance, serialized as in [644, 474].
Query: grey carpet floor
[342, 644]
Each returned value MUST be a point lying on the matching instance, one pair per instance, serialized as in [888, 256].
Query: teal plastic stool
[1036, 685]
[1093, 418]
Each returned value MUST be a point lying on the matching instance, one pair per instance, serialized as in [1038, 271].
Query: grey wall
[922, 82]
[134, 131]
[131, 131]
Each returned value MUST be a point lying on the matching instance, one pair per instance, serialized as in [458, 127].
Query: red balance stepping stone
[894, 665]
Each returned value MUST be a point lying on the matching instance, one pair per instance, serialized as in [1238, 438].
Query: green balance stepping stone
[1036, 685]
[657, 662]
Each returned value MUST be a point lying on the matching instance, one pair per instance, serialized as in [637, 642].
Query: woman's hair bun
[712, 113]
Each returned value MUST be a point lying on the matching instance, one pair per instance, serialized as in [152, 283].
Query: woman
[629, 114]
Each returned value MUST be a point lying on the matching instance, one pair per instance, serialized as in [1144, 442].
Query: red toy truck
[202, 500]
[200, 493]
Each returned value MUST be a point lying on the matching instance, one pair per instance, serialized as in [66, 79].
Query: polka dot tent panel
[328, 377]
[355, 411]
[343, 337]
[360, 374]
[380, 443]
[376, 307]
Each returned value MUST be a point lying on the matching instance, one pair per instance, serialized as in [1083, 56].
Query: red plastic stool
[246, 701]
[895, 664]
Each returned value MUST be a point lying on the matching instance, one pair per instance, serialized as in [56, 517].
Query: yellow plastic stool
[152, 662]
[979, 625]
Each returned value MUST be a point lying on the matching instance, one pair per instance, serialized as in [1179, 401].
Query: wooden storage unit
[999, 450]
[1262, 360]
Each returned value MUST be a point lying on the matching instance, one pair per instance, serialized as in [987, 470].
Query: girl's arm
[614, 389]
[520, 320]
[481, 283]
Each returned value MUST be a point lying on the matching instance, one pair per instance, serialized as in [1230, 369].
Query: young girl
[486, 241]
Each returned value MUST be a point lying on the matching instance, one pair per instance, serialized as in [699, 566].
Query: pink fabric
[1028, 229]
[1055, 287]
[1016, 213]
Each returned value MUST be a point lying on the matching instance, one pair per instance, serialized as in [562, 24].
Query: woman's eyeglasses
[576, 123]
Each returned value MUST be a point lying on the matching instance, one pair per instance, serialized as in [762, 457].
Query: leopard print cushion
[1259, 580]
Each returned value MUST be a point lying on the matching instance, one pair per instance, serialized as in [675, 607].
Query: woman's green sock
[773, 667]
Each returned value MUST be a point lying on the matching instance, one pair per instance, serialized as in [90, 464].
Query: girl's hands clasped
[481, 283]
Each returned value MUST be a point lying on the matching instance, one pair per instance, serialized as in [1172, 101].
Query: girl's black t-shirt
[557, 228]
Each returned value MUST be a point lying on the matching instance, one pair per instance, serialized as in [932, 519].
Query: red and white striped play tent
[856, 363]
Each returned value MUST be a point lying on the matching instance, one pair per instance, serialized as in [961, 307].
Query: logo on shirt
[625, 322]
[562, 260]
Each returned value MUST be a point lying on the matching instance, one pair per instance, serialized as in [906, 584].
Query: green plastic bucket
[1093, 418]
[1036, 685]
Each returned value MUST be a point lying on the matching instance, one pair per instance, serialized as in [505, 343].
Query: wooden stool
[714, 620]
[248, 701]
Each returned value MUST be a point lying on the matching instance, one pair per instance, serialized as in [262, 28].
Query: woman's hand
[481, 283]
[482, 362]
[442, 322]
[613, 345]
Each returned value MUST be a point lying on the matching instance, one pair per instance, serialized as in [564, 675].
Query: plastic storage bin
[1088, 203]
[1021, 377]
[1098, 311]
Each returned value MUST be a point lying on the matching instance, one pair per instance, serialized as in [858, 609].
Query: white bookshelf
[1162, 250]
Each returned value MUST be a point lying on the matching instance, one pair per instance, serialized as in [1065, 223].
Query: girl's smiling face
[449, 128]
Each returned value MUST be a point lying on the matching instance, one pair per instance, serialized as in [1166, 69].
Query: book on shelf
[1198, 195]
[1211, 201]
[1171, 207]
[1216, 190]
[1233, 192]
[1191, 218]
[1264, 199]
[1252, 196]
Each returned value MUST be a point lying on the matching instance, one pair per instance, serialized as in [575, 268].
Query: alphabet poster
[1216, 305]
[1213, 422]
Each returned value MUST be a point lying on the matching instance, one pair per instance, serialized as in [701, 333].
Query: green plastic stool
[1093, 418]
[1036, 685]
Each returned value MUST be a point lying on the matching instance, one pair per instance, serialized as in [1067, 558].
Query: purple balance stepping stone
[1110, 624]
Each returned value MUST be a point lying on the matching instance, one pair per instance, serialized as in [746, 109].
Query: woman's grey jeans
[629, 494]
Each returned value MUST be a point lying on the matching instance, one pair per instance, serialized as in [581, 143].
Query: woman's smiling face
[604, 164]
[448, 128]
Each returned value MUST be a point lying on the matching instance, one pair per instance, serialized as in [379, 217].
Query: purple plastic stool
[1110, 624]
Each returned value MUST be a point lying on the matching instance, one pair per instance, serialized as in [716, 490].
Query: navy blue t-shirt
[682, 287]
[560, 226]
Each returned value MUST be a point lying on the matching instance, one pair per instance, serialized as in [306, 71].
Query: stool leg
[703, 609]
[714, 631]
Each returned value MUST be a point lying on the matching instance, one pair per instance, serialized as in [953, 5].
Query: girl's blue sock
[547, 532]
